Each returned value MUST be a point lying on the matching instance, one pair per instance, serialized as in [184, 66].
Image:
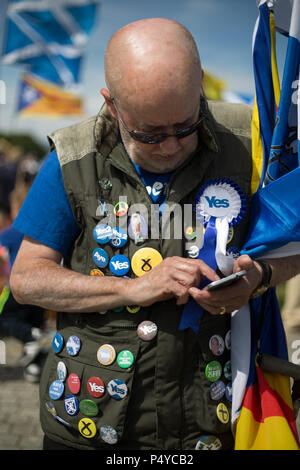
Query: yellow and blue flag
[262, 414]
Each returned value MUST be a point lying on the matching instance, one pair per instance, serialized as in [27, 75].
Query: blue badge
[71, 405]
[102, 233]
[119, 237]
[228, 391]
[57, 343]
[119, 265]
[117, 389]
[100, 257]
[217, 390]
[56, 389]
[73, 345]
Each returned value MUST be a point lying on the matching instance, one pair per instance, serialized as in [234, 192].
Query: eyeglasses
[145, 138]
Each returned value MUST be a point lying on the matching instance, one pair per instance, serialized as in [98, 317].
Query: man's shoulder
[231, 117]
[77, 140]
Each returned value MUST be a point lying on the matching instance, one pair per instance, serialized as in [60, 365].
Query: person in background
[23, 322]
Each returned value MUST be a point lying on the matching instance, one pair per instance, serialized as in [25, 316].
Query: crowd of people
[26, 323]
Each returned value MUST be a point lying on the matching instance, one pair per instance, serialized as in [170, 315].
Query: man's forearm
[53, 287]
[283, 268]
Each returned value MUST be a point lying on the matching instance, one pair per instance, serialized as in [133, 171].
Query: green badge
[125, 359]
[213, 371]
[88, 408]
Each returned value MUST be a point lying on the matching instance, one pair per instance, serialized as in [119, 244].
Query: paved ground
[19, 400]
[19, 404]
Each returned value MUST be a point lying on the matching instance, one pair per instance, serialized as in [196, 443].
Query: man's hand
[173, 277]
[232, 297]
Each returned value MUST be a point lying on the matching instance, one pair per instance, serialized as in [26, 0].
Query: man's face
[169, 154]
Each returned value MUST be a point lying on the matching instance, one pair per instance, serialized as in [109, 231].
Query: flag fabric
[49, 37]
[276, 200]
[262, 413]
[266, 418]
[43, 98]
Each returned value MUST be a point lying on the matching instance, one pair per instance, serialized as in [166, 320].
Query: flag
[213, 86]
[274, 215]
[266, 418]
[49, 37]
[40, 97]
[262, 414]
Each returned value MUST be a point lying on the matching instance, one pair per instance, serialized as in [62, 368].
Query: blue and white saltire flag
[49, 37]
[261, 401]
[275, 221]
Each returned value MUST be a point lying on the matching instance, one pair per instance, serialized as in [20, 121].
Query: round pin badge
[223, 413]
[121, 208]
[228, 391]
[61, 371]
[95, 387]
[227, 370]
[56, 390]
[108, 434]
[217, 390]
[71, 405]
[96, 272]
[193, 251]
[74, 383]
[118, 309]
[117, 389]
[144, 260]
[147, 330]
[213, 371]
[102, 233]
[89, 408]
[100, 257]
[57, 343]
[106, 354]
[216, 345]
[228, 339]
[133, 308]
[208, 443]
[119, 265]
[87, 428]
[119, 237]
[73, 345]
[125, 359]
[137, 228]
[105, 183]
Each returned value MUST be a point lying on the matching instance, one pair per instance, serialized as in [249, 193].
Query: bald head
[149, 60]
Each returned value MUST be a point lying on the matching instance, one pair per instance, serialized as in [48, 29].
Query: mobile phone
[226, 281]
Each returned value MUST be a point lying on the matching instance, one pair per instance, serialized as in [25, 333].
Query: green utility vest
[170, 401]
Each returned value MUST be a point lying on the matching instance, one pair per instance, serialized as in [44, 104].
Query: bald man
[128, 370]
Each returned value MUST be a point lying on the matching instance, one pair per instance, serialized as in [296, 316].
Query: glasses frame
[146, 138]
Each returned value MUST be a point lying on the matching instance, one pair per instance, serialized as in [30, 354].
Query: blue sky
[222, 30]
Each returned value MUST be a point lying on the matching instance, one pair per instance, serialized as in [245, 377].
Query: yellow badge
[96, 272]
[133, 308]
[144, 260]
[87, 427]
[223, 413]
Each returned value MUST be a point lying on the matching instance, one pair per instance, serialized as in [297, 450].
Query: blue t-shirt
[11, 239]
[46, 215]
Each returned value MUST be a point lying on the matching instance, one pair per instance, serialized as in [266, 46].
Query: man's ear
[109, 102]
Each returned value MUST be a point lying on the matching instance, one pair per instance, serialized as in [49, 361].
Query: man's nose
[170, 145]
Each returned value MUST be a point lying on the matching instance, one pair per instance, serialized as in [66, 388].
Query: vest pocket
[104, 390]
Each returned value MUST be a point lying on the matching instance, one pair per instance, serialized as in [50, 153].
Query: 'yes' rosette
[220, 203]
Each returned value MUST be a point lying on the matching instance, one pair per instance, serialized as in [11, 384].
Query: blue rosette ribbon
[219, 204]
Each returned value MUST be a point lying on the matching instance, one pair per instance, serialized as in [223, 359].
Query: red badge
[96, 387]
[74, 383]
